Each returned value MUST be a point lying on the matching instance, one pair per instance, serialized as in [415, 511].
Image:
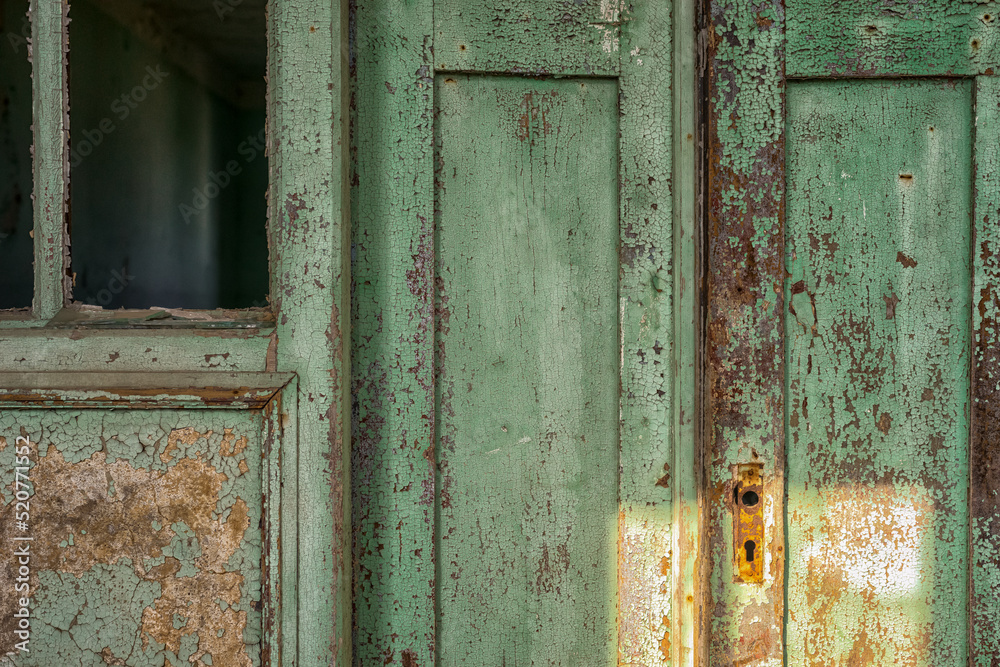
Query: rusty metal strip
[744, 341]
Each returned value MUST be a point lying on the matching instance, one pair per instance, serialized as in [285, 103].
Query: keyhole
[749, 546]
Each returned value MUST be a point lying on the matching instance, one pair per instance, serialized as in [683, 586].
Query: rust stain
[891, 301]
[533, 122]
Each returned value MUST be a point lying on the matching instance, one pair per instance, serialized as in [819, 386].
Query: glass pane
[167, 169]
[16, 279]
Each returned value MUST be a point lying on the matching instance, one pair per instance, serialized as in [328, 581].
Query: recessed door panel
[878, 233]
[527, 259]
[134, 536]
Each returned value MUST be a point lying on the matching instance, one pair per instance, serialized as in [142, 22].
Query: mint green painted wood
[309, 228]
[877, 338]
[146, 542]
[984, 463]
[528, 432]
[528, 36]
[393, 334]
[50, 151]
[41, 350]
[647, 289]
[685, 521]
[280, 531]
[864, 38]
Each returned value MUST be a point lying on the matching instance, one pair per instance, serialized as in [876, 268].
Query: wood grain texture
[647, 287]
[744, 358]
[309, 230]
[528, 36]
[878, 345]
[528, 430]
[890, 38]
[985, 444]
[393, 334]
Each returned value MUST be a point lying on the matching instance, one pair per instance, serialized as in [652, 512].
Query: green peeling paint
[878, 241]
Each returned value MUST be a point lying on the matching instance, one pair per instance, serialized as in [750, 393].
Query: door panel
[527, 257]
[877, 337]
[143, 536]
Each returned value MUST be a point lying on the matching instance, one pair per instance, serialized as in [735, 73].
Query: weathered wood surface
[891, 38]
[985, 443]
[744, 362]
[50, 96]
[686, 271]
[528, 36]
[309, 230]
[24, 350]
[878, 348]
[528, 419]
[647, 289]
[393, 334]
[145, 536]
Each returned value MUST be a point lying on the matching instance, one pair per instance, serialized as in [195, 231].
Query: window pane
[167, 165]
[16, 278]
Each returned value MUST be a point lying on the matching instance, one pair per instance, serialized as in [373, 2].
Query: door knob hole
[750, 546]
[750, 498]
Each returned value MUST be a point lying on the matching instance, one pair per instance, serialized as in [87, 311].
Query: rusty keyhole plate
[748, 523]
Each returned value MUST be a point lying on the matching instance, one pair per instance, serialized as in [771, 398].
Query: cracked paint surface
[528, 436]
[744, 356]
[878, 352]
[394, 320]
[163, 515]
[528, 36]
[393, 334]
[985, 408]
[646, 298]
[888, 37]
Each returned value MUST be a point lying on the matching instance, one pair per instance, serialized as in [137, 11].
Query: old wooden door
[513, 337]
[171, 480]
[851, 333]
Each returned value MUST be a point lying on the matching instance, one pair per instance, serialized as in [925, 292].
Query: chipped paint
[528, 37]
[160, 513]
[527, 536]
[744, 355]
[984, 464]
[877, 388]
[309, 228]
[932, 37]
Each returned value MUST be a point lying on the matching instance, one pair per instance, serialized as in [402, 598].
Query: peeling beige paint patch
[181, 526]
